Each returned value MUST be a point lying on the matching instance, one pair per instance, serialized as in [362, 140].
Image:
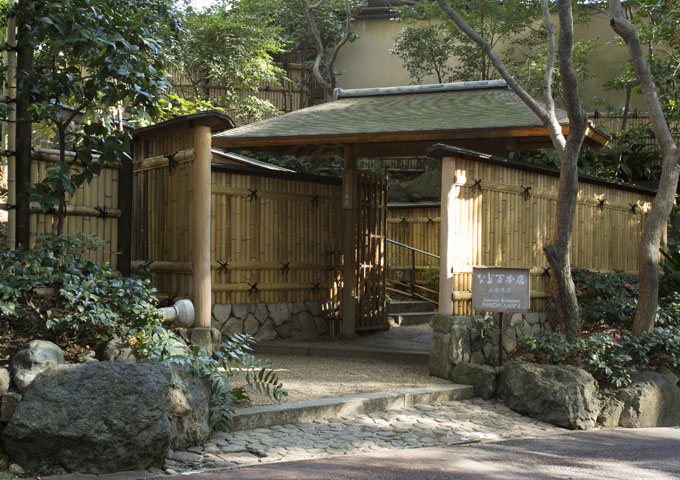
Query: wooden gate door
[371, 311]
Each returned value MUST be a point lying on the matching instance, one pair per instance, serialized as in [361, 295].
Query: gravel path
[308, 378]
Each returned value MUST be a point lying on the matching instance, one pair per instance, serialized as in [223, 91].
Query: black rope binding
[253, 194]
[253, 288]
[404, 221]
[476, 186]
[430, 220]
[315, 201]
[224, 266]
[285, 267]
[316, 286]
[546, 272]
[601, 203]
[103, 213]
[172, 163]
[633, 208]
[526, 193]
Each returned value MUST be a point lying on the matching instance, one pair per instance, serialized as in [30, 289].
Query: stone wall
[268, 321]
[460, 339]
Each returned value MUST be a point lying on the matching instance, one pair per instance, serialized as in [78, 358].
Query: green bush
[605, 299]
[53, 291]
[611, 357]
[57, 290]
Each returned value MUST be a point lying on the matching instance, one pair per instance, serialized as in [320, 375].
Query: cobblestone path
[448, 423]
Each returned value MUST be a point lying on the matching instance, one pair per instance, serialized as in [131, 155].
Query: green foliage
[94, 58]
[657, 25]
[230, 44]
[609, 351]
[611, 357]
[74, 298]
[172, 106]
[604, 299]
[427, 49]
[53, 289]
[431, 277]
[235, 359]
[630, 157]
[671, 272]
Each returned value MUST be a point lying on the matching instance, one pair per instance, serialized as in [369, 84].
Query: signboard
[501, 289]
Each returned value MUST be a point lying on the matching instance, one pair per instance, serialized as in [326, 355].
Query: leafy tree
[427, 49]
[231, 44]
[660, 112]
[557, 252]
[567, 148]
[101, 59]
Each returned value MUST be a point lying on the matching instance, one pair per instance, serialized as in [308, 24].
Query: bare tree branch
[345, 38]
[320, 50]
[628, 32]
[536, 107]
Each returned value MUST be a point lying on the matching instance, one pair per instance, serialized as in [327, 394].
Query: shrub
[235, 359]
[605, 299]
[53, 290]
[610, 357]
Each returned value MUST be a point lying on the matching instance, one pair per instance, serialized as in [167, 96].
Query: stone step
[350, 405]
[412, 318]
[407, 306]
[330, 349]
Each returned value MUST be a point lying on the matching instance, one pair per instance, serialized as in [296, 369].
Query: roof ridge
[408, 89]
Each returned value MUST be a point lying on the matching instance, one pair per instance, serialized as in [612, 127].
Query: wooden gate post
[202, 285]
[451, 183]
[349, 226]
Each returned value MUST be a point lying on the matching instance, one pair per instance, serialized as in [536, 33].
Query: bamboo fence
[273, 238]
[93, 210]
[501, 223]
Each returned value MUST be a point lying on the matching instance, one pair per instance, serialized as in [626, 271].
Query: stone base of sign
[462, 339]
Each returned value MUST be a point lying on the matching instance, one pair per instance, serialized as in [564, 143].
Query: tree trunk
[656, 221]
[24, 128]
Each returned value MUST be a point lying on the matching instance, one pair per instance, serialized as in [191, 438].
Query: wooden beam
[381, 137]
[202, 287]
[349, 225]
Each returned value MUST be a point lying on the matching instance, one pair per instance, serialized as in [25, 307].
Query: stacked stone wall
[268, 321]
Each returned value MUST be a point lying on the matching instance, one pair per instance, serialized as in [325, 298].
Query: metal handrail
[412, 248]
[413, 262]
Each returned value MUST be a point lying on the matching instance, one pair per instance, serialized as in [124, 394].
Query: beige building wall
[367, 62]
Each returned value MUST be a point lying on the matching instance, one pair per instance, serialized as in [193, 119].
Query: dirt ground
[308, 378]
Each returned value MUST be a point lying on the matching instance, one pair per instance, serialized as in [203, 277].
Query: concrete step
[350, 405]
[412, 318]
[407, 306]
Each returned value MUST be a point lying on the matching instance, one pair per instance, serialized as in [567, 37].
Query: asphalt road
[620, 454]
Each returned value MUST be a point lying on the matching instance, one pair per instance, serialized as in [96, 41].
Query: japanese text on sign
[499, 289]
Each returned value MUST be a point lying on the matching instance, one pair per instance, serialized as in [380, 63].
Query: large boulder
[5, 381]
[562, 395]
[107, 417]
[33, 359]
[481, 377]
[651, 400]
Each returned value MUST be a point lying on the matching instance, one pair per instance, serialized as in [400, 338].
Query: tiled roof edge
[435, 87]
